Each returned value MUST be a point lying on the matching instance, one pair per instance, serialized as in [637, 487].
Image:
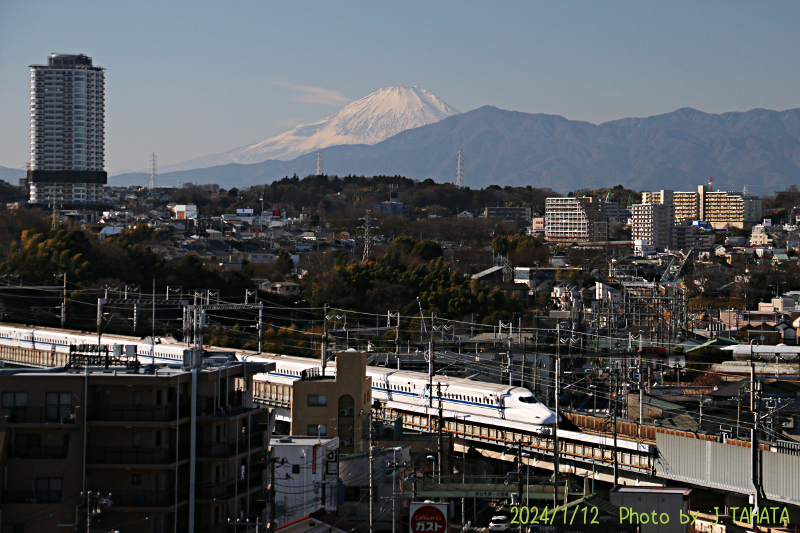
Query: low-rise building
[520, 215]
[393, 207]
[325, 405]
[306, 475]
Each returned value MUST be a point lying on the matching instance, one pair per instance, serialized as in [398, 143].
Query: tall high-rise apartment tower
[67, 131]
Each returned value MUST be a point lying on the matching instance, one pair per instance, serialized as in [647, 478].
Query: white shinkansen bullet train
[403, 390]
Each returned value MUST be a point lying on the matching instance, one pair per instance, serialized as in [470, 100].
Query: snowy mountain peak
[370, 120]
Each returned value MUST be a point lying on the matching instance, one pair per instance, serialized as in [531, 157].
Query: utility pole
[260, 326]
[371, 476]
[519, 474]
[614, 415]
[64, 304]
[153, 330]
[430, 380]
[641, 395]
[324, 350]
[439, 425]
[555, 432]
[272, 508]
[755, 457]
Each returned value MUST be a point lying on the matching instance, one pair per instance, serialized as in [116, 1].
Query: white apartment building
[575, 220]
[721, 209]
[67, 131]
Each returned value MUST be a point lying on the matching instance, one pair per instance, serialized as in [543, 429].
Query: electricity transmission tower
[367, 236]
[460, 171]
[153, 172]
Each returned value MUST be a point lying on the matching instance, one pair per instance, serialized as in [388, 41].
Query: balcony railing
[233, 405]
[42, 415]
[135, 456]
[37, 497]
[147, 498]
[228, 489]
[229, 448]
[137, 413]
[38, 452]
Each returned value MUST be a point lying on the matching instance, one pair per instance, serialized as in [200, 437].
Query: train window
[528, 399]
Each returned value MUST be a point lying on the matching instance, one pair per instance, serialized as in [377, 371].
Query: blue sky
[186, 79]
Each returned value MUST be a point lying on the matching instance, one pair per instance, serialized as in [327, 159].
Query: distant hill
[11, 175]
[679, 150]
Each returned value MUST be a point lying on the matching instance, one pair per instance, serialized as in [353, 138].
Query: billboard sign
[428, 517]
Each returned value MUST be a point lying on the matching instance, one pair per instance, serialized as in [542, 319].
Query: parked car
[499, 523]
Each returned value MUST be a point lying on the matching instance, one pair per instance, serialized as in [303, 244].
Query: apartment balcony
[42, 415]
[148, 498]
[124, 456]
[230, 448]
[32, 497]
[38, 452]
[227, 489]
[137, 413]
[221, 407]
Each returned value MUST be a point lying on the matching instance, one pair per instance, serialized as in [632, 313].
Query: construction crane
[671, 276]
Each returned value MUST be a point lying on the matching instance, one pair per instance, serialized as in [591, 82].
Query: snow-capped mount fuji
[370, 120]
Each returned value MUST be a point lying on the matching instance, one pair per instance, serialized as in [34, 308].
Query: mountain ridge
[678, 150]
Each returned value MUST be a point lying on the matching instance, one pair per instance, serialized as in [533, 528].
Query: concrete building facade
[654, 223]
[575, 220]
[67, 155]
[520, 215]
[721, 209]
[334, 406]
[177, 450]
[306, 474]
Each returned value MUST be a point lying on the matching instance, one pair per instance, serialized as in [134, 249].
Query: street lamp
[464, 471]
[753, 371]
[394, 493]
[528, 479]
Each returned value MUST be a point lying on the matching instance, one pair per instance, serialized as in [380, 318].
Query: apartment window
[13, 528]
[59, 405]
[137, 440]
[317, 430]
[138, 397]
[136, 479]
[317, 399]
[158, 438]
[295, 469]
[48, 490]
[15, 399]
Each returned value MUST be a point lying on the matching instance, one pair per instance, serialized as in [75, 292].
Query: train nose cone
[549, 420]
